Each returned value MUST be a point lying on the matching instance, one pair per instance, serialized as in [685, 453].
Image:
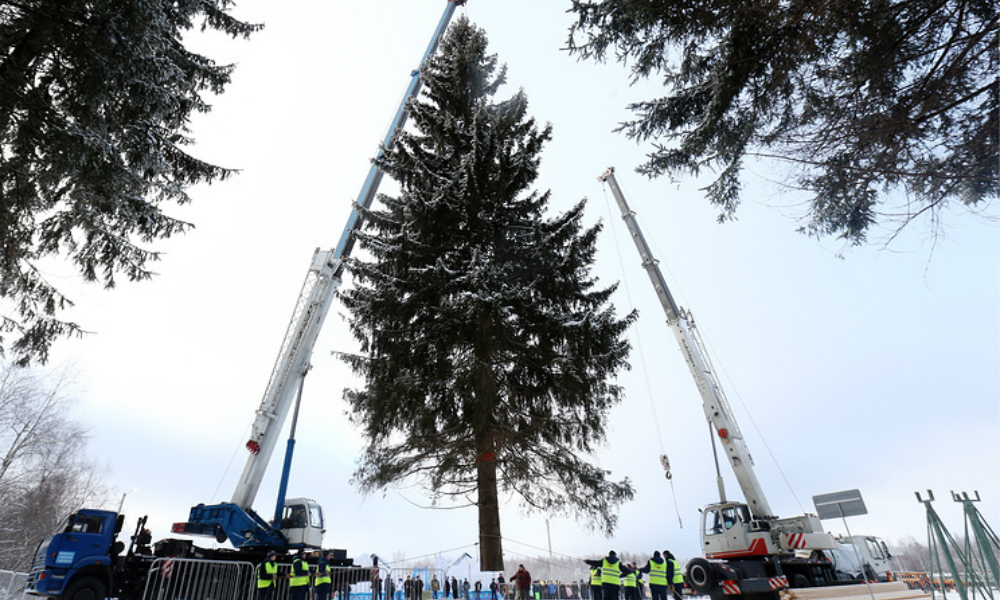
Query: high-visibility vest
[299, 565]
[322, 573]
[657, 572]
[268, 567]
[595, 576]
[611, 572]
[630, 580]
[678, 576]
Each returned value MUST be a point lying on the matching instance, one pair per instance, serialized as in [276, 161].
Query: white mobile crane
[748, 549]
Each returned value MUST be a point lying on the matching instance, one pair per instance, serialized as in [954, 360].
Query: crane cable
[664, 461]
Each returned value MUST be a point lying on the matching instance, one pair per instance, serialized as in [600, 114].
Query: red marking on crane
[730, 587]
[757, 548]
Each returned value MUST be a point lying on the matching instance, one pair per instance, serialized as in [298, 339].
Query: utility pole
[548, 534]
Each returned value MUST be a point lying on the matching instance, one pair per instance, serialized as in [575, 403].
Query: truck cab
[862, 557]
[729, 530]
[302, 523]
[76, 561]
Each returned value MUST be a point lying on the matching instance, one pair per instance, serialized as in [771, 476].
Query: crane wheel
[86, 588]
[701, 576]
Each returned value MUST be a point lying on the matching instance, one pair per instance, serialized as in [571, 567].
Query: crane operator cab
[728, 528]
[302, 523]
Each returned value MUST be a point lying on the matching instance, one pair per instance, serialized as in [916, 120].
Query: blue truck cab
[76, 562]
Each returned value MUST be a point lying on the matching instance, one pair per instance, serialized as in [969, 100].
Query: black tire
[800, 581]
[701, 577]
[85, 588]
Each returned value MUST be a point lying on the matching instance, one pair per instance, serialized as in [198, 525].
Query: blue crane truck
[85, 559]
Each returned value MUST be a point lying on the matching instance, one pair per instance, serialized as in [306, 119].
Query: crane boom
[322, 282]
[714, 402]
[236, 520]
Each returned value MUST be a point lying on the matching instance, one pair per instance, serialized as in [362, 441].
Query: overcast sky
[876, 371]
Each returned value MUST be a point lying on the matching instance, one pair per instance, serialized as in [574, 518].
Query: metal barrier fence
[195, 579]
[410, 584]
[422, 587]
[12, 585]
[347, 583]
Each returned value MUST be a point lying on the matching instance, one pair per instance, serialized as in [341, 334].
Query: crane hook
[666, 466]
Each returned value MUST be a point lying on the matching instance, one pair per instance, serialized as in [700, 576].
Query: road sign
[840, 504]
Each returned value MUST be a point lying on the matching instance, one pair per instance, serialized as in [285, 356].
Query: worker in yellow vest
[595, 583]
[298, 581]
[324, 577]
[675, 577]
[629, 582]
[611, 573]
[267, 577]
[657, 569]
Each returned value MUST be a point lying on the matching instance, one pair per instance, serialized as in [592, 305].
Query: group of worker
[299, 577]
[609, 575]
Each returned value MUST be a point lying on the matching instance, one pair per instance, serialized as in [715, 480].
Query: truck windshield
[64, 525]
[713, 522]
[295, 517]
[316, 516]
[85, 524]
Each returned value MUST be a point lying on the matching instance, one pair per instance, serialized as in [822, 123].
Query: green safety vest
[657, 573]
[630, 580]
[678, 576]
[595, 576]
[322, 574]
[270, 568]
[611, 572]
[296, 581]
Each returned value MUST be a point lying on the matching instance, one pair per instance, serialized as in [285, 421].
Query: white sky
[877, 372]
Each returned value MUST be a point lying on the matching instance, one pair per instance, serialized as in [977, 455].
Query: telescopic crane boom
[236, 520]
[714, 402]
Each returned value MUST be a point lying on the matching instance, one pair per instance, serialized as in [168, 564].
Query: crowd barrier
[12, 585]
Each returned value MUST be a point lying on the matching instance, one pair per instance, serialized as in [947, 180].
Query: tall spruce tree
[488, 352]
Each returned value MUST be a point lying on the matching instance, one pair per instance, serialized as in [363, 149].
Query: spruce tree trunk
[488, 500]
[490, 541]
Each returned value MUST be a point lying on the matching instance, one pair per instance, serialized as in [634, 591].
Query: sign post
[847, 503]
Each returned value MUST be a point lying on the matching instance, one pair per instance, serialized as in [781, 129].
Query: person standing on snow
[267, 575]
[611, 574]
[522, 583]
[675, 577]
[324, 577]
[657, 569]
[595, 583]
[298, 583]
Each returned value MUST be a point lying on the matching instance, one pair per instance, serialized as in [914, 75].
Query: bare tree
[44, 472]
